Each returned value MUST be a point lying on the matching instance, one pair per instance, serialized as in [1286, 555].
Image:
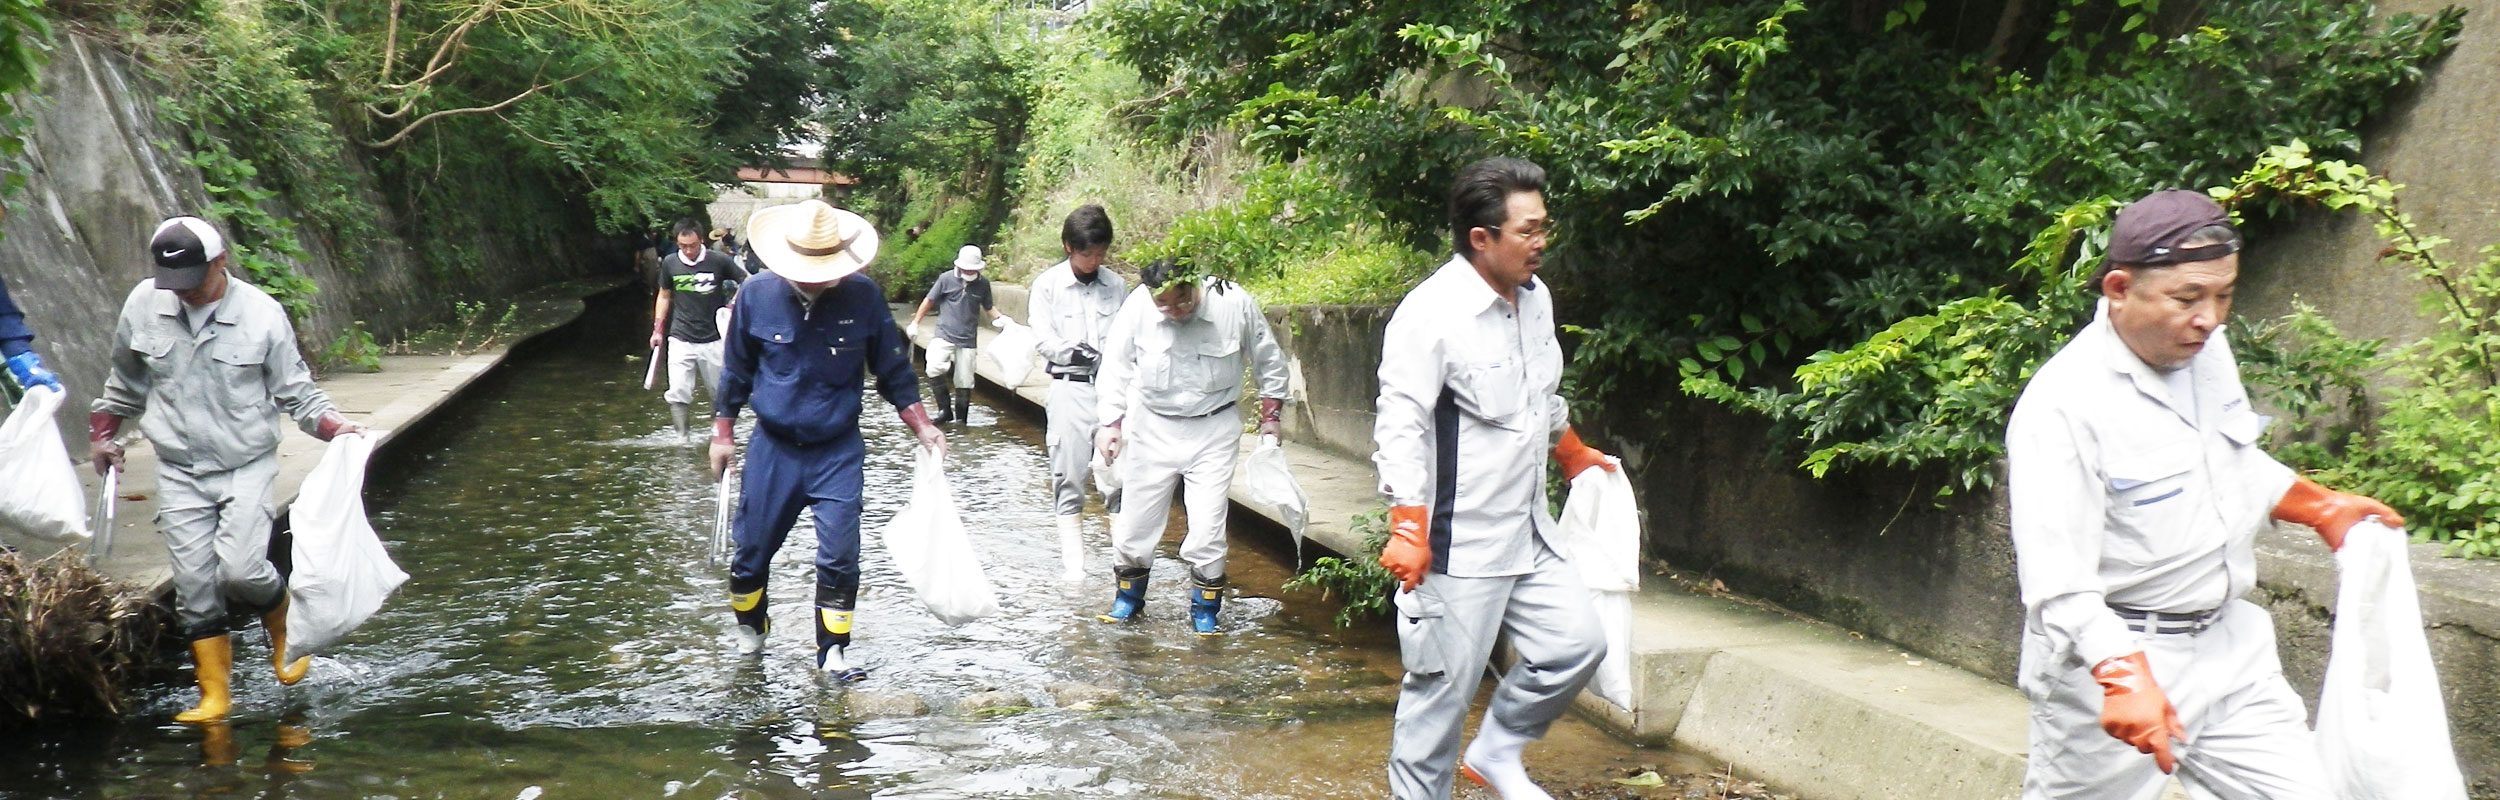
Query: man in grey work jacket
[1070, 309]
[1467, 410]
[1170, 403]
[207, 361]
[802, 340]
[2138, 489]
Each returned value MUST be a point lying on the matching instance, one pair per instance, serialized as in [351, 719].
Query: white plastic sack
[927, 542]
[1600, 532]
[2382, 730]
[342, 574]
[39, 492]
[1269, 488]
[1013, 352]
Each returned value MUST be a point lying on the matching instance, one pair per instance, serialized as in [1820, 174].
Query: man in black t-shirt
[696, 284]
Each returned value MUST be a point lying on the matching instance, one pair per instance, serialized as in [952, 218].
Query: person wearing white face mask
[961, 298]
[2137, 489]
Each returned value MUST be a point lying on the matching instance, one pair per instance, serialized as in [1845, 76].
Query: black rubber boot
[833, 632]
[945, 410]
[963, 407]
[749, 605]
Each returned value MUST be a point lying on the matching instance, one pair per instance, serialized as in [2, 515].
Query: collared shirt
[803, 365]
[209, 399]
[1065, 312]
[2125, 494]
[1468, 410]
[1190, 368]
[960, 301]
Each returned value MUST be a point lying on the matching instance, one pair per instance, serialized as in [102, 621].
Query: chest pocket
[849, 352]
[238, 367]
[1210, 364]
[780, 355]
[1493, 391]
[157, 348]
[2154, 494]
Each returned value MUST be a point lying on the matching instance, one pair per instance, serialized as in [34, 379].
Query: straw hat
[811, 241]
[969, 259]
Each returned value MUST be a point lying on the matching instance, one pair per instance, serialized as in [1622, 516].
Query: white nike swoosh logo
[169, 254]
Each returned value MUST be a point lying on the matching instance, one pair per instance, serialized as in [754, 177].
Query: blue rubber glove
[28, 369]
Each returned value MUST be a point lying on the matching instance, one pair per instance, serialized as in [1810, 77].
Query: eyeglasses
[1543, 232]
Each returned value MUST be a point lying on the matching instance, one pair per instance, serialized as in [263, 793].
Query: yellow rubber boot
[275, 622]
[215, 665]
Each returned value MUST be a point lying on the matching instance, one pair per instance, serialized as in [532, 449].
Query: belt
[2164, 622]
[1079, 377]
[1212, 412]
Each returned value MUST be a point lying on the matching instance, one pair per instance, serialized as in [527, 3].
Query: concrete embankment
[1913, 698]
[399, 398]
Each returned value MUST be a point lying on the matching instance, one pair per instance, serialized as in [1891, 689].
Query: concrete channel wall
[103, 170]
[1871, 552]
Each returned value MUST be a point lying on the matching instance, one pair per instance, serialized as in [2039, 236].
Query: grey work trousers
[1446, 630]
[1190, 456]
[2247, 731]
[1071, 440]
[217, 525]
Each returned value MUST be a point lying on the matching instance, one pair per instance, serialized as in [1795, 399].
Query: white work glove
[999, 322]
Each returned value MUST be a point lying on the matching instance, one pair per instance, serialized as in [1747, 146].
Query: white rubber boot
[1492, 761]
[1071, 549]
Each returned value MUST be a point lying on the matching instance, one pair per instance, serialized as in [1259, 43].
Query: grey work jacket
[209, 401]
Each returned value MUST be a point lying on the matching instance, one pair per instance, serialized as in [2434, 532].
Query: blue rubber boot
[1129, 599]
[1205, 599]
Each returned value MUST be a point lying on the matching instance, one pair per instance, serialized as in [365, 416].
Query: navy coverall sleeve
[889, 358]
[737, 363]
[15, 337]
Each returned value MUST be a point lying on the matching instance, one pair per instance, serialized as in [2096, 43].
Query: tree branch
[403, 133]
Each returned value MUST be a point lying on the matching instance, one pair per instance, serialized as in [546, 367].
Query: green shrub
[1359, 578]
[909, 270]
[1296, 236]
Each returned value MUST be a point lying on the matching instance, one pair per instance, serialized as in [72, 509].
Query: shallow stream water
[562, 636]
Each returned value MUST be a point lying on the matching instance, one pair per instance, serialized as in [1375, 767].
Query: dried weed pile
[71, 640]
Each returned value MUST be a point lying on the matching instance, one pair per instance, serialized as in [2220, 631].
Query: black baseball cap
[183, 248]
[2150, 232]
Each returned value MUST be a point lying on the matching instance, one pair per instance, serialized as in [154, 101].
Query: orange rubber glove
[2136, 711]
[1409, 553]
[2333, 513]
[1577, 457]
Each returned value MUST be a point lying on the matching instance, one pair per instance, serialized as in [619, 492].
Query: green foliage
[2433, 452]
[354, 349]
[1295, 236]
[1743, 184]
[942, 87]
[23, 30]
[911, 267]
[1365, 585]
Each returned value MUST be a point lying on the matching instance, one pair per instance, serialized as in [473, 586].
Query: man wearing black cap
[2137, 490]
[209, 361]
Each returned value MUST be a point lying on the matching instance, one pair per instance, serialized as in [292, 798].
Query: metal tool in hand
[720, 522]
[107, 506]
[651, 373]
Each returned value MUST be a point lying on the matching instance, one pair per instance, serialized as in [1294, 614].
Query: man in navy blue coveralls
[801, 340]
[17, 346]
